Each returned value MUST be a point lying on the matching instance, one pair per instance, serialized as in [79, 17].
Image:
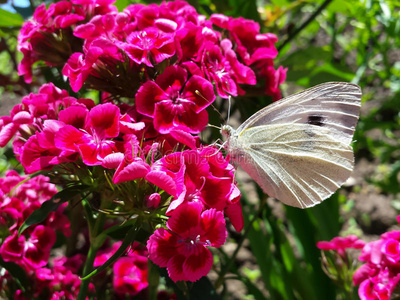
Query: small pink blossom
[33, 252]
[47, 36]
[153, 200]
[175, 102]
[40, 151]
[379, 287]
[130, 274]
[149, 46]
[183, 247]
[340, 244]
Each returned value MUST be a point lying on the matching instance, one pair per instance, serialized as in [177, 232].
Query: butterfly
[298, 149]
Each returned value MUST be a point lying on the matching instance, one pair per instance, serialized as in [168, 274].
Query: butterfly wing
[299, 164]
[333, 105]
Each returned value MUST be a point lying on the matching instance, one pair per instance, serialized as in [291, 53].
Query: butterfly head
[227, 131]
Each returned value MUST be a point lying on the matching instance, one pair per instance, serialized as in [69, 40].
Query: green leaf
[203, 289]
[330, 72]
[253, 289]
[47, 207]
[122, 4]
[9, 19]
[199, 290]
[129, 239]
[18, 273]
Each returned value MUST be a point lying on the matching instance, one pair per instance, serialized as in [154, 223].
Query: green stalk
[96, 241]
[228, 266]
[294, 33]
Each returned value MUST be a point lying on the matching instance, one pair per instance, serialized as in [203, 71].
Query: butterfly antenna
[213, 126]
[205, 99]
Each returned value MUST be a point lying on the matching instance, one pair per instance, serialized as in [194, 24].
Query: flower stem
[228, 266]
[86, 270]
[96, 242]
[311, 18]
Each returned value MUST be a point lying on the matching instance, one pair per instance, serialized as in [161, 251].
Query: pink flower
[191, 42]
[130, 274]
[59, 280]
[175, 102]
[340, 244]
[220, 64]
[391, 248]
[101, 125]
[103, 255]
[77, 70]
[149, 46]
[153, 200]
[12, 248]
[379, 287]
[33, 252]
[273, 79]
[100, 54]
[7, 130]
[202, 175]
[131, 169]
[380, 274]
[48, 36]
[182, 248]
[132, 166]
[40, 151]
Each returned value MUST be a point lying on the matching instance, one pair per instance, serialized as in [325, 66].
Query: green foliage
[53, 204]
[8, 19]
[18, 273]
[354, 41]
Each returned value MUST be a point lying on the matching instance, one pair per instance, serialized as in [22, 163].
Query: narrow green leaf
[129, 239]
[153, 278]
[122, 4]
[199, 290]
[176, 286]
[308, 226]
[9, 19]
[253, 289]
[18, 273]
[203, 289]
[47, 207]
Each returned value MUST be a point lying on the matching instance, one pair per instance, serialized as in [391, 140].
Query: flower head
[176, 102]
[183, 247]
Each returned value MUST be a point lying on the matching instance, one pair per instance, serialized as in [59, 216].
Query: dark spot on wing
[316, 120]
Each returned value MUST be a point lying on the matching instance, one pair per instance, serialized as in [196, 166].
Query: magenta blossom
[40, 151]
[149, 46]
[340, 244]
[175, 102]
[131, 166]
[34, 252]
[183, 247]
[203, 176]
[130, 274]
[220, 65]
[379, 287]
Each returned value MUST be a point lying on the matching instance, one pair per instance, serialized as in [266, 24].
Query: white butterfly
[298, 148]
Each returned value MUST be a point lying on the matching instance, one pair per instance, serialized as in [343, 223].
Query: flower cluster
[129, 272]
[20, 196]
[136, 153]
[341, 244]
[49, 35]
[124, 50]
[379, 276]
[59, 280]
[55, 130]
